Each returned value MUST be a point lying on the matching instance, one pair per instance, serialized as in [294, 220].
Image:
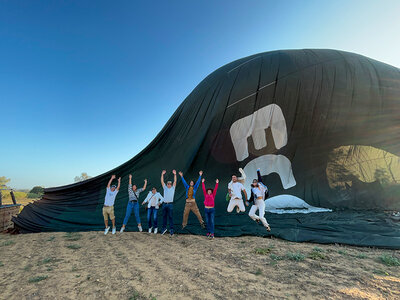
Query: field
[89, 265]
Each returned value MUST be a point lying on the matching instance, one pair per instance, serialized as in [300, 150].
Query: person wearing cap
[153, 200]
[108, 208]
[133, 204]
[168, 208]
[191, 205]
[209, 210]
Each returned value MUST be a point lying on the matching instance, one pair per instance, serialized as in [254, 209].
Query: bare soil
[134, 265]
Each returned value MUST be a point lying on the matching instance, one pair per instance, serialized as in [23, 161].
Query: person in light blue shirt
[168, 208]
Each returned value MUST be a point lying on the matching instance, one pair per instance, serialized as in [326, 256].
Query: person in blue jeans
[133, 204]
[209, 207]
[168, 208]
[154, 201]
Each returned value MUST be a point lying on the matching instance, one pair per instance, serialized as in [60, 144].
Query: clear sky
[86, 85]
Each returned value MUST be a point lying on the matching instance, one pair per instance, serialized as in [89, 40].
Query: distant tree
[83, 177]
[38, 190]
[3, 181]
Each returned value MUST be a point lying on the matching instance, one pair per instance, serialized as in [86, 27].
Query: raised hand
[180, 173]
[203, 180]
[145, 181]
[163, 172]
[201, 173]
[113, 176]
[119, 179]
[130, 176]
[217, 181]
[174, 172]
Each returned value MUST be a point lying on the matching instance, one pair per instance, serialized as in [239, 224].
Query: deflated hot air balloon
[322, 126]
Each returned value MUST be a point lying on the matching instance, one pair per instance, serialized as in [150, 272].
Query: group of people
[155, 200]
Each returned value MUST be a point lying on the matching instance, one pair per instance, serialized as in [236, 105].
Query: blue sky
[86, 85]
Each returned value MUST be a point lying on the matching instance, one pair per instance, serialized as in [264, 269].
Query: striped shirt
[134, 195]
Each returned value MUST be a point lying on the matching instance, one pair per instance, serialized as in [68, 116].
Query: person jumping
[191, 205]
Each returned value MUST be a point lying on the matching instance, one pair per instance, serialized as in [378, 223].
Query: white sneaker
[164, 231]
[150, 229]
[106, 230]
[122, 230]
[114, 230]
[140, 228]
[155, 230]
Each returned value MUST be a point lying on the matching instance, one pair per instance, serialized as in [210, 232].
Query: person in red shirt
[209, 207]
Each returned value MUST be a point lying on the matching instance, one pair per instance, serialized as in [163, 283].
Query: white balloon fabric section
[289, 204]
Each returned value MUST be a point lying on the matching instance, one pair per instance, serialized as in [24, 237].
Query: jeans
[168, 213]
[135, 206]
[210, 213]
[152, 214]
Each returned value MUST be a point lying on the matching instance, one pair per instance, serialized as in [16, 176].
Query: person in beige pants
[191, 205]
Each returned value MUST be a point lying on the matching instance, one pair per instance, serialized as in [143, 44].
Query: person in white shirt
[168, 208]
[235, 189]
[259, 190]
[153, 200]
[242, 180]
[108, 208]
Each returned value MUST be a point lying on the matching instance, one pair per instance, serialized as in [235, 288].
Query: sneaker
[237, 209]
[164, 231]
[122, 230]
[208, 234]
[171, 234]
[114, 230]
[106, 230]
[150, 229]
[140, 228]
[268, 228]
[155, 230]
[211, 235]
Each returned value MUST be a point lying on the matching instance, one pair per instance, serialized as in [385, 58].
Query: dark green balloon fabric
[323, 125]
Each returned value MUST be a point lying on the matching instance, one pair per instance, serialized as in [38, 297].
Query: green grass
[51, 238]
[389, 260]
[73, 236]
[361, 256]
[28, 267]
[317, 249]
[7, 243]
[37, 278]
[262, 251]
[276, 257]
[316, 254]
[47, 260]
[258, 272]
[74, 246]
[342, 252]
[1, 264]
[296, 256]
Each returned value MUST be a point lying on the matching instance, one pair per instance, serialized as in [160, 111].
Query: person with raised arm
[168, 208]
[153, 200]
[133, 204]
[235, 189]
[191, 205]
[209, 207]
[108, 208]
[259, 192]
[242, 180]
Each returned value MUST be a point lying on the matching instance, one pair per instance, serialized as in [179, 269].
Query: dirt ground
[89, 265]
